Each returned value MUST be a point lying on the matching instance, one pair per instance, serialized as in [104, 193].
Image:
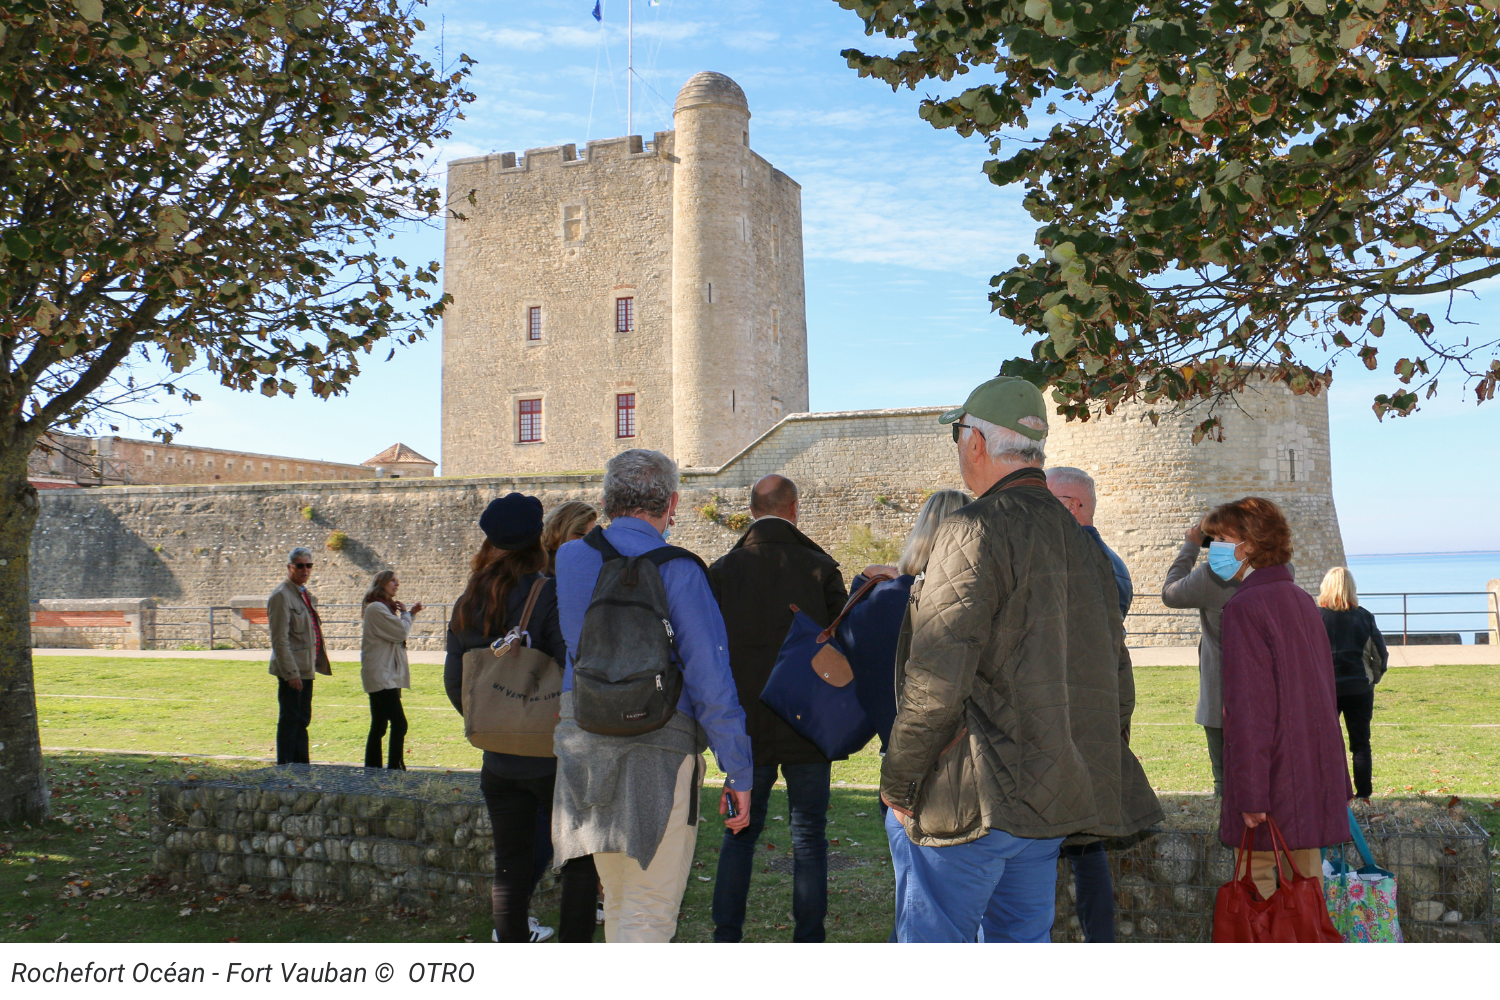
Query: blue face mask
[666, 533]
[1222, 561]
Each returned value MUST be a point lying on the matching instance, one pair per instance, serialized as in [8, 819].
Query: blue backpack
[812, 686]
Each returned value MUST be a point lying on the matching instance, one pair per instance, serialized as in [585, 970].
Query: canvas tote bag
[511, 692]
[1361, 901]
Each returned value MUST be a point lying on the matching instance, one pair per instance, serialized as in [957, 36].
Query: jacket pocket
[948, 808]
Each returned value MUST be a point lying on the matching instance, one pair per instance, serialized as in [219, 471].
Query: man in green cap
[1014, 698]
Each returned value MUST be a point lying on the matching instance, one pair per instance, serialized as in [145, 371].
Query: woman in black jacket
[517, 790]
[1350, 628]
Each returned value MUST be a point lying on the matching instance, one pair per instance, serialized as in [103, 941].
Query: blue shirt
[1122, 572]
[708, 692]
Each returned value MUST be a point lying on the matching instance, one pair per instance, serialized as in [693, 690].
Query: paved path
[1141, 656]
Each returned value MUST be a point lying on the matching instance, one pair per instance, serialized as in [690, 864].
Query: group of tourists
[989, 661]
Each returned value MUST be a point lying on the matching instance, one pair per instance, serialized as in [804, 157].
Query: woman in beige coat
[382, 667]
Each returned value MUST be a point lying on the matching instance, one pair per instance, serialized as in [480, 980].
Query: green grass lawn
[85, 873]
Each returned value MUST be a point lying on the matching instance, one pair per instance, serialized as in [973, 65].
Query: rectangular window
[625, 415]
[534, 323]
[572, 223]
[625, 315]
[531, 420]
[775, 325]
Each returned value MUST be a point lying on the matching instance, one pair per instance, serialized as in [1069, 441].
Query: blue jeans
[807, 801]
[1005, 884]
[1096, 892]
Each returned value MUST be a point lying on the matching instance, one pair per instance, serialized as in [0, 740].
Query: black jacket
[546, 635]
[1348, 631]
[772, 567]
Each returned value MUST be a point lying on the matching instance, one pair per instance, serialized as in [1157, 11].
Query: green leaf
[89, 10]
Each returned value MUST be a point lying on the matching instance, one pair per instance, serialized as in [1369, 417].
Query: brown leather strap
[833, 626]
[536, 591]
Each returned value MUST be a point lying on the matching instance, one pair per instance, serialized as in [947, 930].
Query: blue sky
[901, 231]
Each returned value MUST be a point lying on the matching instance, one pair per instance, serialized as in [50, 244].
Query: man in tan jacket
[297, 655]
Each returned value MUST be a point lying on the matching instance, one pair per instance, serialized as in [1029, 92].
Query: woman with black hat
[517, 790]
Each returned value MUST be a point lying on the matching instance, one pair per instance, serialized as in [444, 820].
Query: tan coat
[382, 649]
[1013, 709]
[295, 651]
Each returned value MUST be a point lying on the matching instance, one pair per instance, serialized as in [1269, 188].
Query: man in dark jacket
[771, 568]
[1014, 701]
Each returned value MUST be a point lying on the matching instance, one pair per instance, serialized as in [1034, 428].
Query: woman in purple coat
[1283, 749]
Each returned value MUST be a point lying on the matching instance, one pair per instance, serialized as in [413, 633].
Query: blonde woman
[1350, 629]
[568, 520]
[870, 629]
[383, 668]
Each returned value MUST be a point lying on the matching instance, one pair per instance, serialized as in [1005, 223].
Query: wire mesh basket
[1165, 884]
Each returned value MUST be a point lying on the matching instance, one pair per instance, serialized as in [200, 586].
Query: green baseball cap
[1003, 401]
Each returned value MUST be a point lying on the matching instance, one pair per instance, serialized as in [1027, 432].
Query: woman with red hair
[1283, 749]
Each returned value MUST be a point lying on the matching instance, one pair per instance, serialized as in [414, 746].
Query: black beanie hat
[512, 522]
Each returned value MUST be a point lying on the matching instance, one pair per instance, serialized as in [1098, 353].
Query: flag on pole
[598, 15]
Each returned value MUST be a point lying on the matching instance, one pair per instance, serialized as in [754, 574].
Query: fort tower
[629, 294]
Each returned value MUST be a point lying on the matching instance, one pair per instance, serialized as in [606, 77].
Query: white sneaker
[538, 932]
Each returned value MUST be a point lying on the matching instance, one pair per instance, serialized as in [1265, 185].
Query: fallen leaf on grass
[186, 911]
[861, 814]
[32, 877]
[704, 878]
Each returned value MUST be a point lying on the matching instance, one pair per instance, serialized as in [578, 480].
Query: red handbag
[1295, 913]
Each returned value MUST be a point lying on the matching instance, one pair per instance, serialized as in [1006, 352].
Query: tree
[1231, 190]
[195, 183]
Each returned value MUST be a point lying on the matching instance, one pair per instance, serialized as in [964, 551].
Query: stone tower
[631, 294]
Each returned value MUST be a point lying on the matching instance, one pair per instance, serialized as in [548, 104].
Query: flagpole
[629, 62]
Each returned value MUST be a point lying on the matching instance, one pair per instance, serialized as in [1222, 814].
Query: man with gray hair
[297, 655]
[1075, 488]
[1014, 695]
[632, 801]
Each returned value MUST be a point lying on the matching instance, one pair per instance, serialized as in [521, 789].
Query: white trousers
[641, 905]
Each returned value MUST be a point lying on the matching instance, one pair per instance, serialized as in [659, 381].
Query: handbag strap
[1359, 841]
[531, 598]
[1278, 844]
[1247, 843]
[833, 626]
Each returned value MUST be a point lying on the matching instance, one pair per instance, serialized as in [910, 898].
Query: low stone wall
[409, 839]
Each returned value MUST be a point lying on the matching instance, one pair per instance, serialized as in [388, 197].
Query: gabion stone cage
[1165, 884]
[320, 831]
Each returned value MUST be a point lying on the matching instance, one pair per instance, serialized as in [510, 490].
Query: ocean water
[1430, 574]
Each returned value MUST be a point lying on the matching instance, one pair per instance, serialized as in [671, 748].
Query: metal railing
[1458, 620]
[1414, 616]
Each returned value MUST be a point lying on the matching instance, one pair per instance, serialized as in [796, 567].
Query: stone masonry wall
[863, 475]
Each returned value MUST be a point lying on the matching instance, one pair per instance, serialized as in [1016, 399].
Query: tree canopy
[201, 183]
[211, 180]
[1227, 190]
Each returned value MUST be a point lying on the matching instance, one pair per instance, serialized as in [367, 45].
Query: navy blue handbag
[812, 686]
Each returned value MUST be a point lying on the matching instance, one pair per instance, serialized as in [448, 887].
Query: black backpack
[627, 675]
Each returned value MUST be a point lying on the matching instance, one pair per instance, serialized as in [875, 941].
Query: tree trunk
[23, 785]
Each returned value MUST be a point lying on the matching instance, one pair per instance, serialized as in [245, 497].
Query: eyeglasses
[958, 426]
[302, 565]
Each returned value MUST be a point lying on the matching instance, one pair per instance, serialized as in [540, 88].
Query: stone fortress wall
[704, 237]
[861, 473]
[113, 460]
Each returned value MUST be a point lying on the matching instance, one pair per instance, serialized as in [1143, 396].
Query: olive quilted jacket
[1016, 696]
